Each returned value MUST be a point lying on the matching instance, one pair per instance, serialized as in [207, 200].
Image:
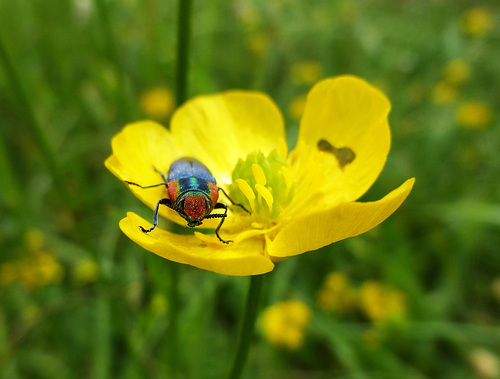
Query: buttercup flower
[337, 294]
[284, 323]
[444, 93]
[157, 103]
[297, 106]
[456, 71]
[298, 201]
[474, 115]
[484, 363]
[477, 21]
[307, 72]
[380, 303]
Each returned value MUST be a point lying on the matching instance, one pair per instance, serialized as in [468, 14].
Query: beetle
[192, 192]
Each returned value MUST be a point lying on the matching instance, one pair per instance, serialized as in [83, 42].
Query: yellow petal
[238, 259]
[137, 150]
[348, 114]
[336, 223]
[219, 129]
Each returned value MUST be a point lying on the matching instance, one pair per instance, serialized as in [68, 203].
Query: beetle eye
[208, 204]
[181, 203]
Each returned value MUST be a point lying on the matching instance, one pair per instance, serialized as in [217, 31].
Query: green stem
[174, 356]
[247, 326]
[183, 43]
[35, 128]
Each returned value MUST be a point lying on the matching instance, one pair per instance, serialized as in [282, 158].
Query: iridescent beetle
[192, 192]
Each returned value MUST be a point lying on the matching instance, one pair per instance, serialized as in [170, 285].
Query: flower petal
[138, 150]
[345, 220]
[219, 129]
[344, 132]
[238, 259]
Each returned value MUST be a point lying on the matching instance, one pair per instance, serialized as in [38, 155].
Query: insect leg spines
[222, 216]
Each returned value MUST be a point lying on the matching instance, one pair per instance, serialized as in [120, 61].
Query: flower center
[262, 184]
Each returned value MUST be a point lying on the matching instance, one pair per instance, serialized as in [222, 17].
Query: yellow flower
[297, 106]
[444, 93]
[157, 103]
[380, 303]
[284, 323]
[258, 43]
[307, 72]
[299, 201]
[159, 304]
[484, 363]
[477, 21]
[37, 270]
[474, 115]
[86, 271]
[495, 288]
[34, 240]
[336, 294]
[8, 274]
[456, 71]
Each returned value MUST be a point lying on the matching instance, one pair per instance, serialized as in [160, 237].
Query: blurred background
[417, 297]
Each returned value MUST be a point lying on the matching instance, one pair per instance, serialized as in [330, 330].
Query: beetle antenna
[232, 202]
[144, 187]
[161, 174]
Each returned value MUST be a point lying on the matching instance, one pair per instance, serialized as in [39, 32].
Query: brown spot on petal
[344, 155]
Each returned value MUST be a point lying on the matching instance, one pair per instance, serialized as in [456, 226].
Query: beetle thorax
[195, 205]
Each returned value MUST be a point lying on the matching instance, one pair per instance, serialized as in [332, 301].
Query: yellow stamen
[247, 191]
[285, 171]
[266, 194]
[258, 174]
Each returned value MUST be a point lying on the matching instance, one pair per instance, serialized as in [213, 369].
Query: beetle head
[194, 222]
[195, 205]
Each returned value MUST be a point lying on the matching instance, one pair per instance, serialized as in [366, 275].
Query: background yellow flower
[157, 103]
[474, 115]
[477, 21]
[284, 324]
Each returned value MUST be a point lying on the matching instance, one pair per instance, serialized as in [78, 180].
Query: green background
[71, 75]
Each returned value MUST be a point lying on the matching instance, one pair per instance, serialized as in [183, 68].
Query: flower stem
[247, 327]
[175, 359]
[183, 43]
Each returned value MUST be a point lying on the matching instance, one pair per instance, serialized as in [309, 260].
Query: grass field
[416, 297]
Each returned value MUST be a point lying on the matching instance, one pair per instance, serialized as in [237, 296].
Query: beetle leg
[155, 217]
[222, 216]
[232, 202]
